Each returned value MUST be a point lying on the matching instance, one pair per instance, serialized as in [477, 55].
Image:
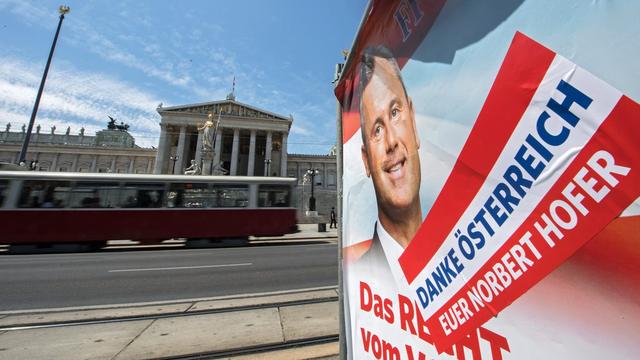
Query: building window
[331, 178]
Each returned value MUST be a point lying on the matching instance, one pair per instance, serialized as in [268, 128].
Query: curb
[4, 314]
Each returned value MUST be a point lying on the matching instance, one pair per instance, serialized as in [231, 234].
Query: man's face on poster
[390, 149]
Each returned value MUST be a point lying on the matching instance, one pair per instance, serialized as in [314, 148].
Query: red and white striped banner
[551, 160]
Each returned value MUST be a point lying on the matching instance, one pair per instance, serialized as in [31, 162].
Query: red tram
[40, 208]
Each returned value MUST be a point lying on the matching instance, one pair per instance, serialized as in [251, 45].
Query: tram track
[251, 350]
[187, 313]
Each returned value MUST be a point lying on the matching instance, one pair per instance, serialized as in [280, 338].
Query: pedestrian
[333, 223]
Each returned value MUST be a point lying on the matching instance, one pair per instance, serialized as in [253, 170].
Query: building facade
[110, 150]
[248, 141]
[324, 182]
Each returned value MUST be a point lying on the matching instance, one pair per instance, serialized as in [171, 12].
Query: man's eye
[394, 112]
[377, 131]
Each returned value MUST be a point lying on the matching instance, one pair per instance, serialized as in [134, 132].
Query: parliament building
[112, 149]
[249, 141]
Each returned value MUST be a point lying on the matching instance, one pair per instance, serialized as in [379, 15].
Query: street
[42, 281]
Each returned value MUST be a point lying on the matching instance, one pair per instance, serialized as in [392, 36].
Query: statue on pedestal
[8, 127]
[208, 132]
[219, 170]
[194, 169]
[53, 129]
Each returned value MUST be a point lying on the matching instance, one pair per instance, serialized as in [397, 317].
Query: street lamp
[311, 174]
[63, 10]
[173, 158]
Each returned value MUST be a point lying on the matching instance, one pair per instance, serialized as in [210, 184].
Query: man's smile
[395, 167]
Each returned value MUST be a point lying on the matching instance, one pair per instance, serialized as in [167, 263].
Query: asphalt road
[42, 281]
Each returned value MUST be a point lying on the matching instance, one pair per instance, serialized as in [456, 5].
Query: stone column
[94, 163]
[114, 164]
[252, 154]
[199, 149]
[324, 175]
[187, 155]
[267, 154]
[149, 164]
[218, 147]
[132, 161]
[283, 156]
[36, 156]
[180, 151]
[74, 165]
[54, 163]
[234, 152]
[163, 150]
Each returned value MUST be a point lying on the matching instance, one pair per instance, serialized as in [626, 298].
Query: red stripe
[617, 135]
[521, 72]
[381, 28]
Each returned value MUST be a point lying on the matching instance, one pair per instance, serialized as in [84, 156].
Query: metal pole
[313, 177]
[312, 199]
[343, 331]
[25, 144]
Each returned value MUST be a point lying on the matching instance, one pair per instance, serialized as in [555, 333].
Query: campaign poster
[491, 182]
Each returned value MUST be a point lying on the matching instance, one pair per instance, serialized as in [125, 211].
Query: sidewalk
[307, 231]
[265, 320]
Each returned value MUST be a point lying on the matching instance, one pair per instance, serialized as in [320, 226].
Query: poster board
[491, 181]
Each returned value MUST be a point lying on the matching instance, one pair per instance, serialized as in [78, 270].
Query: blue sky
[123, 58]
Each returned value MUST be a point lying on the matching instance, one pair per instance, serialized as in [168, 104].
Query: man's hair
[367, 67]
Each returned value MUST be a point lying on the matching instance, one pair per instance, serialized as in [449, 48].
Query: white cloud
[298, 129]
[179, 61]
[75, 98]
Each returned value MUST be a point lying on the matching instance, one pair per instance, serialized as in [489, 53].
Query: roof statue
[111, 125]
[122, 126]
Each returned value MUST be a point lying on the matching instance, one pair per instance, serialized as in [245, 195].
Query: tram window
[44, 194]
[3, 190]
[273, 196]
[231, 195]
[190, 195]
[94, 195]
[141, 195]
